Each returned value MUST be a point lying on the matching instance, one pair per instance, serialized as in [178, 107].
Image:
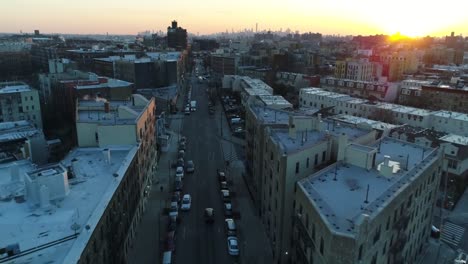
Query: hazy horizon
[333, 17]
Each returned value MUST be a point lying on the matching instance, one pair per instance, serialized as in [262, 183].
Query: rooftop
[342, 202]
[361, 120]
[13, 87]
[274, 100]
[91, 111]
[16, 130]
[290, 145]
[89, 193]
[267, 115]
[456, 139]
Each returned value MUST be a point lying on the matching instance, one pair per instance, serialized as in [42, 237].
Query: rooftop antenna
[367, 194]
[407, 161]
[336, 172]
[302, 138]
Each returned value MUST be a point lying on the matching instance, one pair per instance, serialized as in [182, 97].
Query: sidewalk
[151, 232]
[254, 245]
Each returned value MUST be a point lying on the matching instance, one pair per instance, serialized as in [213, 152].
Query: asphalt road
[196, 241]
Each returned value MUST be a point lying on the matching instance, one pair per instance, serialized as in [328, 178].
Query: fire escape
[400, 226]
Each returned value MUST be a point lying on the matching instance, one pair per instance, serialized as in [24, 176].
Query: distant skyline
[331, 17]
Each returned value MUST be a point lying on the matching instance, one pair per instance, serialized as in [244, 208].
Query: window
[321, 245]
[307, 163]
[277, 166]
[31, 98]
[452, 163]
[360, 252]
[297, 167]
[25, 98]
[316, 159]
[323, 155]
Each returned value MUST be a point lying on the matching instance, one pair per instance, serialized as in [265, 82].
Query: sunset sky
[409, 17]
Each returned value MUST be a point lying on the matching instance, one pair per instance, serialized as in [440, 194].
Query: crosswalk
[452, 233]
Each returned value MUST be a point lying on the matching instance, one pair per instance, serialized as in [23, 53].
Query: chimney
[106, 107]
[14, 172]
[342, 144]
[385, 168]
[318, 123]
[107, 155]
[386, 160]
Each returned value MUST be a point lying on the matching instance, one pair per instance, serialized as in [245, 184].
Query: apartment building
[85, 208]
[18, 101]
[99, 123]
[374, 205]
[22, 140]
[358, 70]
[257, 119]
[443, 121]
[290, 154]
[380, 90]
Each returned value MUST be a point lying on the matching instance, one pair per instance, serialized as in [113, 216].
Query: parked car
[190, 167]
[170, 240]
[183, 140]
[435, 232]
[178, 185]
[182, 146]
[223, 185]
[174, 209]
[175, 197]
[225, 196]
[227, 209]
[172, 225]
[180, 163]
[181, 154]
[179, 172]
[186, 202]
[209, 215]
[221, 176]
[187, 111]
[233, 246]
[230, 226]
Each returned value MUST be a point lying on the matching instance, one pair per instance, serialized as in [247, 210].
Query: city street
[198, 242]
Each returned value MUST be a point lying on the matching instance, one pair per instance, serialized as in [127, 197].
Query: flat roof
[111, 83]
[90, 111]
[360, 120]
[90, 192]
[267, 115]
[451, 114]
[14, 87]
[274, 100]
[289, 145]
[341, 203]
[17, 130]
[456, 139]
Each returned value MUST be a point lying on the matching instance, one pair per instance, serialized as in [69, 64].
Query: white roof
[341, 203]
[359, 120]
[89, 195]
[7, 88]
[456, 139]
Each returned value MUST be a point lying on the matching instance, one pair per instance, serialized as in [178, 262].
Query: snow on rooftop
[288, 144]
[359, 120]
[271, 116]
[14, 88]
[90, 192]
[456, 139]
[341, 202]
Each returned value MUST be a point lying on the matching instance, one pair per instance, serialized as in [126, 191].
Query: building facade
[18, 101]
[371, 207]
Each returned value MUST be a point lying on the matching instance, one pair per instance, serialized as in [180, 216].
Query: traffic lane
[200, 253]
[209, 147]
[211, 139]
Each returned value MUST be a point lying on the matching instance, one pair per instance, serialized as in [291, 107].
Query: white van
[167, 257]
